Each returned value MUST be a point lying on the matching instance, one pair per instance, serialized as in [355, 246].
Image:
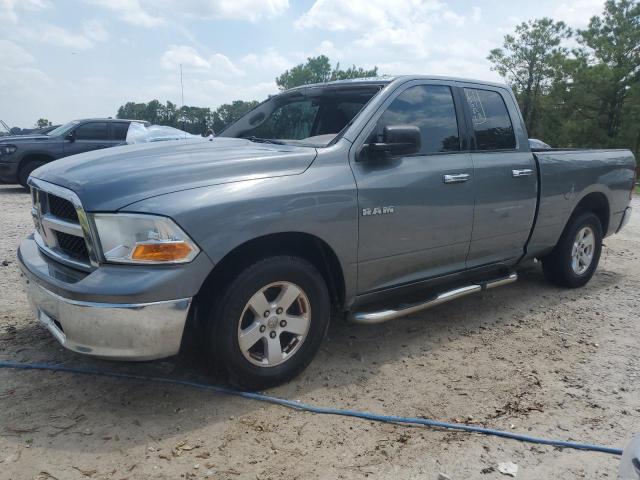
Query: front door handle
[521, 173]
[455, 178]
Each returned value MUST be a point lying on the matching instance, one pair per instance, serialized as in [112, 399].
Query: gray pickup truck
[22, 154]
[366, 199]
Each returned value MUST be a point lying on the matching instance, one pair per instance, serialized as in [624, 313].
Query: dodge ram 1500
[368, 199]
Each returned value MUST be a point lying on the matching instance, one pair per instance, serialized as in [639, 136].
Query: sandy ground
[528, 357]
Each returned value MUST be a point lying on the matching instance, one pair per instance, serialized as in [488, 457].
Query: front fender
[321, 202]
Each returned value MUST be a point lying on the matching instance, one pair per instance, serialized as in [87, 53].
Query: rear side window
[491, 122]
[119, 131]
[431, 109]
[92, 131]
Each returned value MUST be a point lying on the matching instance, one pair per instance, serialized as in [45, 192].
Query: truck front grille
[73, 246]
[59, 232]
[62, 208]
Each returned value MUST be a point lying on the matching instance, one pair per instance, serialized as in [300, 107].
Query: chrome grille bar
[49, 226]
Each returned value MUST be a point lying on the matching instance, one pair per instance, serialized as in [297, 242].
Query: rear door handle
[521, 173]
[455, 178]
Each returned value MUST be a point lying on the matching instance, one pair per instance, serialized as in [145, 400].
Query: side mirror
[397, 140]
[70, 136]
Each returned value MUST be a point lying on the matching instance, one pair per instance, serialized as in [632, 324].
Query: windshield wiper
[253, 138]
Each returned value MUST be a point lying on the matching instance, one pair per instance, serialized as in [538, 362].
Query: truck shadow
[98, 414]
[12, 189]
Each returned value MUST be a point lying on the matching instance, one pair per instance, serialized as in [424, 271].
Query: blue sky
[70, 59]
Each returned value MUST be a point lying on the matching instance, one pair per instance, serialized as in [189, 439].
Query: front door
[415, 211]
[88, 136]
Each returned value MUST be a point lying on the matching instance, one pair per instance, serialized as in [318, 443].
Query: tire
[26, 169]
[564, 268]
[235, 316]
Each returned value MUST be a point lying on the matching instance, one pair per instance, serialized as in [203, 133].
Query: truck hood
[108, 180]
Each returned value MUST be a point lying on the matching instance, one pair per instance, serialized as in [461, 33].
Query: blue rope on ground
[314, 409]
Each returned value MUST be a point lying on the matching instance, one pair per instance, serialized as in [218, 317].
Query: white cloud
[54, 35]
[335, 15]
[270, 62]
[12, 54]
[152, 13]
[577, 13]
[221, 64]
[131, 11]
[329, 49]
[189, 57]
[414, 36]
[369, 15]
[403, 30]
[95, 30]
[476, 14]
[9, 8]
[251, 10]
[182, 54]
[28, 85]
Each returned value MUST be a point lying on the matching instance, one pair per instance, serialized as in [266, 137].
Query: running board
[390, 314]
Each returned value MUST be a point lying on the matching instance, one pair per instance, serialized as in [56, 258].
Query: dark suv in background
[20, 155]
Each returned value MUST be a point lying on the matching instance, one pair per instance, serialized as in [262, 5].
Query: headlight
[132, 238]
[7, 149]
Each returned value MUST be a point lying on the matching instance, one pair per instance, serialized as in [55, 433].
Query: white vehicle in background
[139, 133]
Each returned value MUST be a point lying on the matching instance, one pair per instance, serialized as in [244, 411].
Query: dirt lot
[529, 357]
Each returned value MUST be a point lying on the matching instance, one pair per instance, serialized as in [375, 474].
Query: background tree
[318, 70]
[612, 42]
[529, 60]
[42, 123]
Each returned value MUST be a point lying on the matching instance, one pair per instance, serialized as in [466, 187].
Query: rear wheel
[575, 258]
[268, 324]
[26, 169]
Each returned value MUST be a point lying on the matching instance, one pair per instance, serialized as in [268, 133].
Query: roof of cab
[386, 79]
[109, 119]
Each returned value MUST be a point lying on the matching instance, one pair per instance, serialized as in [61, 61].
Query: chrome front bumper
[143, 331]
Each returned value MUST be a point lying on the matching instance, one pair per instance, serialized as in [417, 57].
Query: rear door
[504, 176]
[88, 136]
[415, 211]
[118, 133]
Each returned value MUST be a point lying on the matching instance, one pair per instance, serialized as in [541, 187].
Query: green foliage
[318, 70]
[530, 60]
[196, 120]
[42, 123]
[228, 113]
[587, 97]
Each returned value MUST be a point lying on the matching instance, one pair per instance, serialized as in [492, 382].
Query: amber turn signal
[161, 251]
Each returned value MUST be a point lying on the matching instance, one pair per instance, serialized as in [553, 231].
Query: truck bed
[566, 176]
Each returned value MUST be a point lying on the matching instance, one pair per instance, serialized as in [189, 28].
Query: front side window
[431, 109]
[491, 123]
[92, 131]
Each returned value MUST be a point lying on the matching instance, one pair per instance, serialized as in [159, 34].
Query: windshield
[312, 116]
[62, 129]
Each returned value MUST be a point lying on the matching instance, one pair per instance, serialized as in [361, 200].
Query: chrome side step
[380, 316]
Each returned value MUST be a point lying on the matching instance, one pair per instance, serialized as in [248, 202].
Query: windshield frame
[312, 91]
[63, 129]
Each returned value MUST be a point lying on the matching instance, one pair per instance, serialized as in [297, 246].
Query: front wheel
[268, 324]
[575, 258]
[26, 169]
